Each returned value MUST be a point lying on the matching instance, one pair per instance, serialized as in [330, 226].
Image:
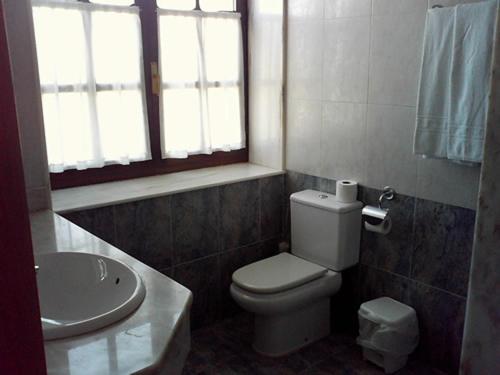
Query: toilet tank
[325, 231]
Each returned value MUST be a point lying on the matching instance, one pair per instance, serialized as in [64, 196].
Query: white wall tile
[347, 8]
[303, 136]
[345, 66]
[343, 141]
[20, 34]
[449, 3]
[305, 59]
[388, 8]
[389, 141]
[299, 9]
[38, 199]
[380, 151]
[396, 50]
[444, 3]
[448, 182]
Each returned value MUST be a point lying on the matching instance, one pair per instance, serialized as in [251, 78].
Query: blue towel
[455, 82]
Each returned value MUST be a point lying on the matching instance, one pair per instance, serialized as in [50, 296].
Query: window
[201, 101]
[97, 62]
[92, 85]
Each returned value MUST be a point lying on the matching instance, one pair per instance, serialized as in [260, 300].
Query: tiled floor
[225, 349]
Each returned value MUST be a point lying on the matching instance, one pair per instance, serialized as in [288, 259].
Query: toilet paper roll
[383, 228]
[347, 191]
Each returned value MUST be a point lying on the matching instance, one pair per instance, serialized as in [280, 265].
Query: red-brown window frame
[157, 165]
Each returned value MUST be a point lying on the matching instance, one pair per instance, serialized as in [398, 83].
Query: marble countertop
[136, 344]
[92, 196]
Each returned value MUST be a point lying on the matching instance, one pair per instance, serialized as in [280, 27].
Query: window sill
[93, 196]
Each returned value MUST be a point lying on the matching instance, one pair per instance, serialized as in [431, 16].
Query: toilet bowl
[290, 293]
[294, 313]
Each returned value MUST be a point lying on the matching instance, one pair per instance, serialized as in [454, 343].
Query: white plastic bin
[388, 332]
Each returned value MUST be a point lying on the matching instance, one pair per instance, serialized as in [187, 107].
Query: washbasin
[82, 292]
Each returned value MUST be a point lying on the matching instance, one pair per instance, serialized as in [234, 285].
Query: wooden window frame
[157, 165]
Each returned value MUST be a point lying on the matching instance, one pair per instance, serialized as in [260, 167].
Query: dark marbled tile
[195, 224]
[271, 206]
[441, 323]
[230, 261]
[443, 246]
[376, 283]
[169, 272]
[349, 361]
[202, 277]
[143, 230]
[345, 303]
[391, 252]
[270, 247]
[240, 214]
[298, 181]
[327, 185]
[225, 348]
[98, 221]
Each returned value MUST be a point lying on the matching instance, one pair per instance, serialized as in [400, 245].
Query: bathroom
[327, 90]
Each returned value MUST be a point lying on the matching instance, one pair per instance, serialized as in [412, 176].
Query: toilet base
[277, 335]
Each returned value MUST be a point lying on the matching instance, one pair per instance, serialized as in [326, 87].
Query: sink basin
[81, 292]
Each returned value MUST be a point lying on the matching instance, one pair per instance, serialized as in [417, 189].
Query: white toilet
[290, 293]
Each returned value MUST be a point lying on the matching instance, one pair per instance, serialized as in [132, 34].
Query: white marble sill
[93, 196]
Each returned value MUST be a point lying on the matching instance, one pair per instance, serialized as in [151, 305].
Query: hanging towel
[470, 80]
[455, 82]
[431, 133]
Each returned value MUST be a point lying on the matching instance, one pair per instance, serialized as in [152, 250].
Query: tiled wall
[19, 24]
[199, 238]
[424, 262]
[482, 328]
[353, 69]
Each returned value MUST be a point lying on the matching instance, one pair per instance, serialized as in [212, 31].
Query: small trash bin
[388, 332]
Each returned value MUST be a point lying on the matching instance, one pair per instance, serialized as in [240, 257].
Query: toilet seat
[290, 299]
[277, 274]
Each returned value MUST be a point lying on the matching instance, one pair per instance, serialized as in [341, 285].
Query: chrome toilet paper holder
[377, 219]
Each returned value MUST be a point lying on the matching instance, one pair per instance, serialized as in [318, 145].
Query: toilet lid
[276, 274]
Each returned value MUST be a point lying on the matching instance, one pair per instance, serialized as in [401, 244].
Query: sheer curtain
[92, 81]
[202, 97]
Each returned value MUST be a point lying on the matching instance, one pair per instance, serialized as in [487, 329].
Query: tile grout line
[416, 281]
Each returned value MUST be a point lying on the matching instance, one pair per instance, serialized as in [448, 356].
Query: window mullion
[149, 29]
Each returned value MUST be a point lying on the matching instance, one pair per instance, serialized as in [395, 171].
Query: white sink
[81, 292]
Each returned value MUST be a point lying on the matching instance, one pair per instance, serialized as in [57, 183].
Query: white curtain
[92, 79]
[202, 96]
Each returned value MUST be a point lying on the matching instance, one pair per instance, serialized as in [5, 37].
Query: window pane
[121, 125]
[81, 52]
[222, 44]
[218, 5]
[61, 55]
[179, 56]
[182, 121]
[177, 4]
[202, 78]
[116, 48]
[67, 129]
[225, 116]
[113, 2]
